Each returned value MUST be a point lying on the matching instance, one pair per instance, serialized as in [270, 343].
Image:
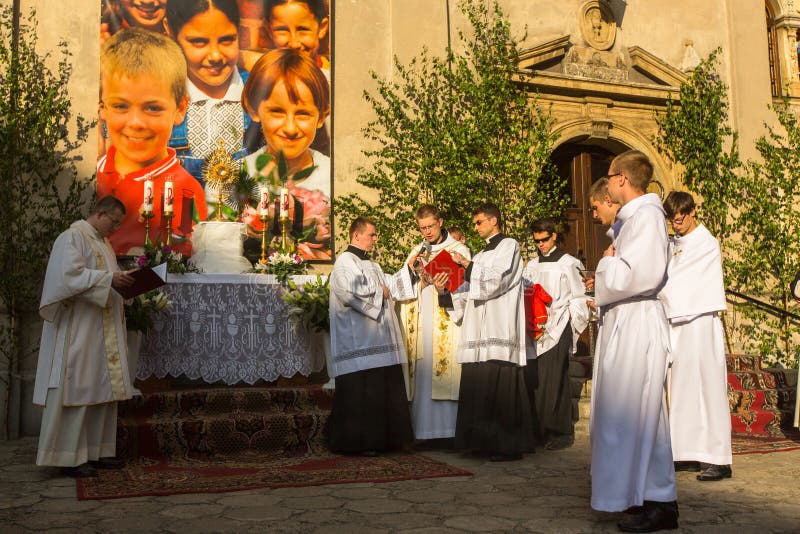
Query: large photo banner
[195, 94]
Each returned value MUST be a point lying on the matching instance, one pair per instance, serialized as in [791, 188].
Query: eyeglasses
[479, 222]
[115, 223]
[610, 176]
[543, 239]
[678, 219]
[426, 228]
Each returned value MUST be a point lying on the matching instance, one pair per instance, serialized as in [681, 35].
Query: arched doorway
[580, 165]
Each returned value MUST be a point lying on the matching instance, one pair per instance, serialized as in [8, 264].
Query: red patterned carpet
[760, 444]
[147, 476]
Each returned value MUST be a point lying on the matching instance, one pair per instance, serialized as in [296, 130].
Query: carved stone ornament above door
[598, 25]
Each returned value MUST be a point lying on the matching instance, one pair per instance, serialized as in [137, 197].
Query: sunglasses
[543, 239]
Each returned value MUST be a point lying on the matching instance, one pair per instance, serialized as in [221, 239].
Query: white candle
[284, 202]
[148, 196]
[169, 197]
[263, 205]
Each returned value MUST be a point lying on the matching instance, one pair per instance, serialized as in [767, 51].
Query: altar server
[494, 414]
[631, 450]
[83, 370]
[547, 372]
[431, 335]
[699, 415]
[370, 409]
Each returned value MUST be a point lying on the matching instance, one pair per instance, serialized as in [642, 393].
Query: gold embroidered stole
[110, 335]
[446, 372]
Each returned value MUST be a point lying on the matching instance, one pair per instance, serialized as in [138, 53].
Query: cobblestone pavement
[545, 492]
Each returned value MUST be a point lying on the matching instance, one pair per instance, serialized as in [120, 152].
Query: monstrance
[221, 172]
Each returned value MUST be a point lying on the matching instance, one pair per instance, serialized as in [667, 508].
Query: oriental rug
[169, 476]
[761, 444]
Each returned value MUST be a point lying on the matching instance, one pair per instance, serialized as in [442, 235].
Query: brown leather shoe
[715, 472]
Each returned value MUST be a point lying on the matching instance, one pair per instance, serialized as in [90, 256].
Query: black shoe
[370, 454]
[715, 472]
[79, 471]
[656, 516]
[687, 466]
[505, 457]
[109, 462]
[634, 510]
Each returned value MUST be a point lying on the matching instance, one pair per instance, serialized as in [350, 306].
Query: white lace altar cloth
[227, 327]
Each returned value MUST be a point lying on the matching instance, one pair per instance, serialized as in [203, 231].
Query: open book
[145, 279]
[443, 263]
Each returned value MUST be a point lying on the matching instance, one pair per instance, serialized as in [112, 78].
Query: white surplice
[562, 281]
[700, 422]
[631, 450]
[432, 342]
[82, 368]
[490, 307]
[365, 333]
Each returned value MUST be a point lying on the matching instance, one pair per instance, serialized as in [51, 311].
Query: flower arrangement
[308, 304]
[140, 311]
[282, 265]
[155, 255]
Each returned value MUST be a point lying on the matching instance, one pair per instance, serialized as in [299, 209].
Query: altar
[228, 328]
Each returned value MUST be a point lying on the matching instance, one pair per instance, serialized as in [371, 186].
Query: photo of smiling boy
[143, 95]
[289, 96]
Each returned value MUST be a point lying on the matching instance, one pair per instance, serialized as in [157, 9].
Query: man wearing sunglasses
[631, 451]
[83, 368]
[547, 372]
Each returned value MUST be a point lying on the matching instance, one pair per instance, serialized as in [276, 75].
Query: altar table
[230, 328]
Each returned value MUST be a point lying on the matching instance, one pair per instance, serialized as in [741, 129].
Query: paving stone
[313, 503]
[349, 528]
[406, 520]
[346, 492]
[378, 506]
[208, 524]
[308, 491]
[137, 523]
[563, 524]
[238, 500]
[492, 499]
[258, 513]
[59, 506]
[59, 492]
[431, 530]
[480, 523]
[438, 509]
[41, 521]
[191, 511]
[438, 494]
[11, 500]
[189, 498]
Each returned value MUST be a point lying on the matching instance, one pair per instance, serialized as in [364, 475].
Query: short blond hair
[636, 166]
[599, 190]
[134, 52]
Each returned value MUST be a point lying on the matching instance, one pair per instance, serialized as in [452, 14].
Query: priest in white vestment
[431, 336]
[494, 414]
[83, 370]
[631, 449]
[694, 296]
[370, 409]
[547, 372]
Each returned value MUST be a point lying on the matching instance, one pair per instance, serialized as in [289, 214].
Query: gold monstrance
[220, 173]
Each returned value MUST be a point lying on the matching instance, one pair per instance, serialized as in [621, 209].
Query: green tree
[41, 193]
[694, 132]
[457, 130]
[768, 225]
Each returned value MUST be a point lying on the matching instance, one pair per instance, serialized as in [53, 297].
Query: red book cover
[443, 263]
[145, 279]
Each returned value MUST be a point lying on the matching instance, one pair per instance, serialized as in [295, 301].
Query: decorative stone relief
[690, 59]
[585, 62]
[598, 25]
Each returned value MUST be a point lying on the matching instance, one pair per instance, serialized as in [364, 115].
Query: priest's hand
[609, 251]
[425, 279]
[415, 263]
[440, 281]
[588, 283]
[459, 259]
[121, 279]
[386, 293]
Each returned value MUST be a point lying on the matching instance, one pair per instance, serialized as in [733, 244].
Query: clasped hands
[121, 279]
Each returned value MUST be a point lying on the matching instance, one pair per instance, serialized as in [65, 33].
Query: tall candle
[284, 202]
[169, 197]
[263, 205]
[148, 196]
